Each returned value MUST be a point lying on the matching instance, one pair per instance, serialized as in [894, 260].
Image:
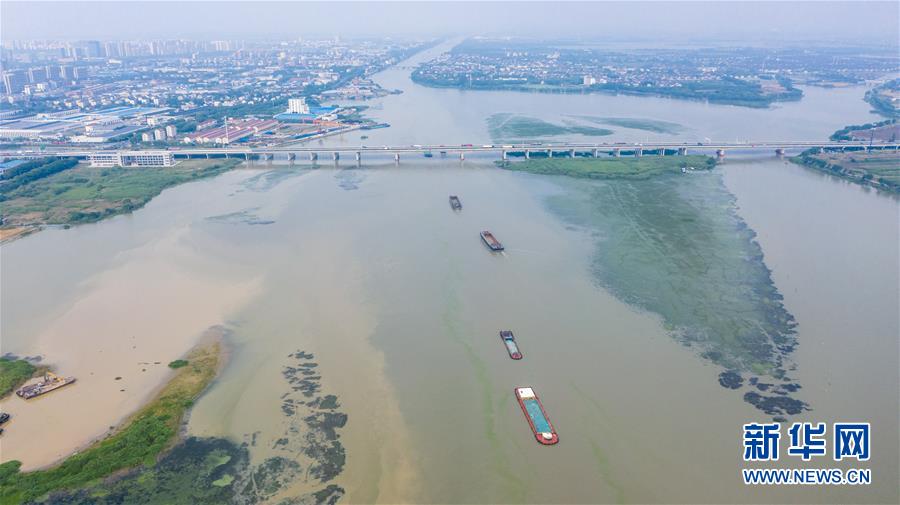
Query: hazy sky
[751, 22]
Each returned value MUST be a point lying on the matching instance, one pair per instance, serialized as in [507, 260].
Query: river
[368, 270]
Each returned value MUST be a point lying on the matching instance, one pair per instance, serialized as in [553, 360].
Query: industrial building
[132, 159]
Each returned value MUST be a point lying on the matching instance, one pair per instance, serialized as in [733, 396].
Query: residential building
[298, 106]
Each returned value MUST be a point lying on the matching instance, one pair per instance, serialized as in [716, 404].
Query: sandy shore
[7, 234]
[117, 340]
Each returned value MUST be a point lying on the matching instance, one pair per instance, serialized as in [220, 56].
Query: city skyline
[752, 23]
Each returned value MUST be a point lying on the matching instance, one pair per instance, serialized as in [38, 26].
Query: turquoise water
[537, 416]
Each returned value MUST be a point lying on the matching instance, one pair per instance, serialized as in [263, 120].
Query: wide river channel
[367, 269]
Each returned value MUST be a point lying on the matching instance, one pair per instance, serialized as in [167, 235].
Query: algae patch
[674, 245]
[517, 128]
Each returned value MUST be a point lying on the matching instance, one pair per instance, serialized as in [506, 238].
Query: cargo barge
[455, 204]
[50, 382]
[491, 241]
[537, 418]
[509, 340]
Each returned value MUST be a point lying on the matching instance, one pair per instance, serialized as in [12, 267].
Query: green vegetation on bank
[845, 132]
[217, 470]
[178, 363]
[880, 98]
[611, 168]
[876, 168]
[83, 194]
[14, 373]
[31, 171]
[139, 442]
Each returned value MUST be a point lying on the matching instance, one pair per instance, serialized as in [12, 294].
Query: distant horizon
[679, 23]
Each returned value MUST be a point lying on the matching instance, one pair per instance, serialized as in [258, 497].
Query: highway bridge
[502, 151]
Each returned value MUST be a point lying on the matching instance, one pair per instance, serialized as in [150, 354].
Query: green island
[877, 168]
[138, 442]
[14, 373]
[644, 167]
[673, 244]
[517, 129]
[725, 91]
[55, 191]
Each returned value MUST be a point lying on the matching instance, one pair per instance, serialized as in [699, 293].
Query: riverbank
[878, 169]
[14, 373]
[85, 194]
[611, 168]
[138, 442]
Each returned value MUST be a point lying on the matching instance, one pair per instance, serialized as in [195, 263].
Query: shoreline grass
[610, 168]
[878, 169]
[85, 194]
[14, 373]
[140, 440]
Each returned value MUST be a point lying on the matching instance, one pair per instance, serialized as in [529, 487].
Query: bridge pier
[503, 155]
[595, 152]
[358, 156]
[779, 152]
[662, 151]
[313, 157]
[527, 154]
[682, 151]
[572, 153]
[617, 152]
[396, 157]
[462, 156]
[720, 153]
[336, 156]
[638, 152]
[549, 153]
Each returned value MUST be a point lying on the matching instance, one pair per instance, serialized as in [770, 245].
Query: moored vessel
[491, 241]
[455, 204]
[537, 418]
[509, 340]
[49, 382]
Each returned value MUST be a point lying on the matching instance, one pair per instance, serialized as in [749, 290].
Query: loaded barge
[509, 340]
[491, 241]
[537, 418]
[49, 382]
[455, 204]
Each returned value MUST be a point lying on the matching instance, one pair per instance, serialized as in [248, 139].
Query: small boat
[509, 340]
[537, 418]
[455, 203]
[49, 382]
[491, 241]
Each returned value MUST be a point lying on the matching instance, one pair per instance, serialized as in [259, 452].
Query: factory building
[132, 159]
